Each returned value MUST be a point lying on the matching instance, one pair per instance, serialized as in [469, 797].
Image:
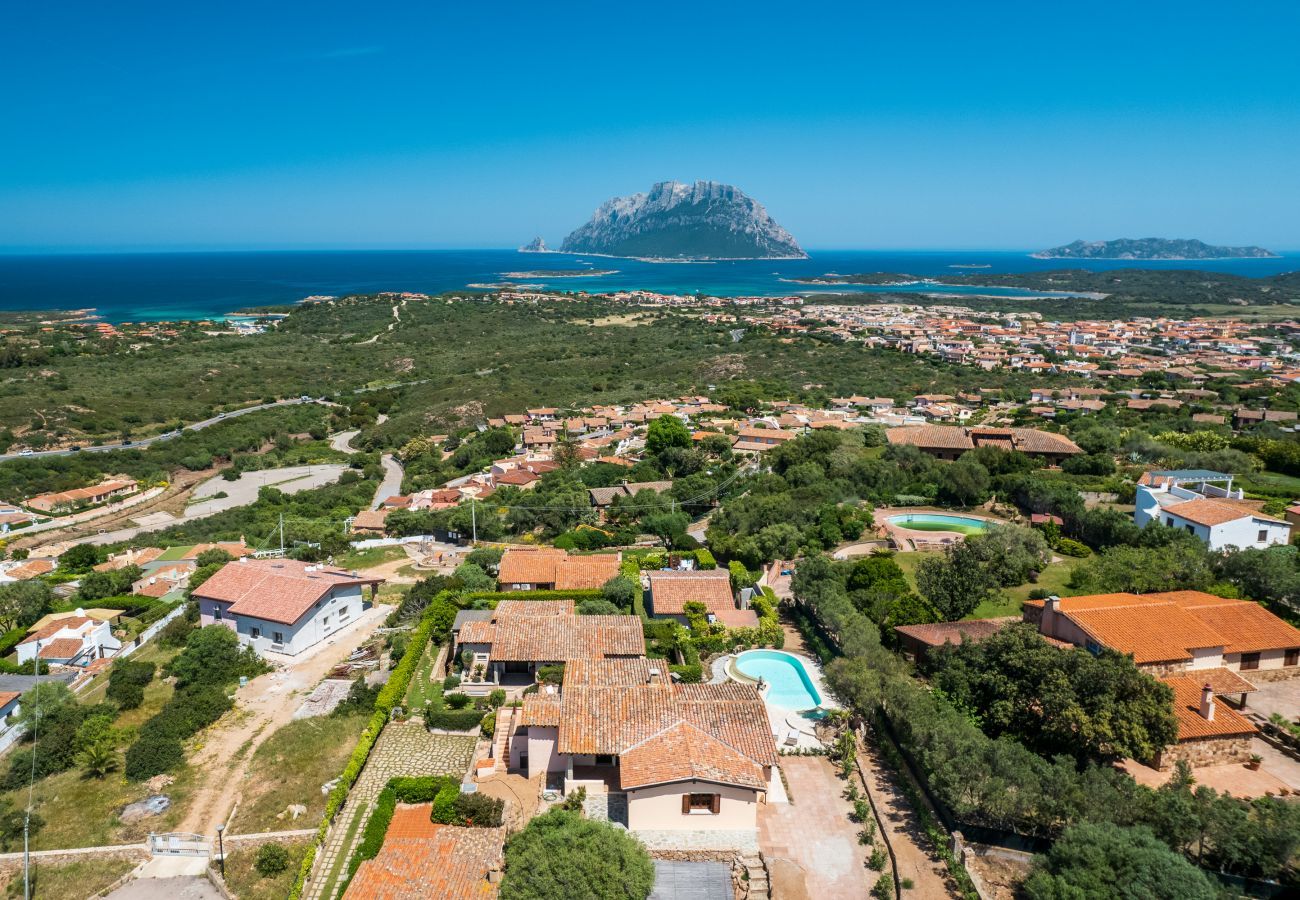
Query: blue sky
[860, 125]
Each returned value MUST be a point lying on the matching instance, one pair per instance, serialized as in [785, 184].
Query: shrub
[443, 810]
[560, 854]
[479, 810]
[496, 698]
[153, 754]
[704, 559]
[876, 861]
[457, 701]
[450, 683]
[551, 674]
[272, 859]
[489, 725]
[1071, 547]
[127, 680]
[453, 720]
[688, 674]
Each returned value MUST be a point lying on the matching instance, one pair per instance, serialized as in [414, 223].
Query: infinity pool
[791, 686]
[939, 522]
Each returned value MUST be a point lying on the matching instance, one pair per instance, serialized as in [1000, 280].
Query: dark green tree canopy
[562, 856]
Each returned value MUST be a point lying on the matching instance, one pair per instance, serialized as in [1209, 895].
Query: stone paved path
[402, 750]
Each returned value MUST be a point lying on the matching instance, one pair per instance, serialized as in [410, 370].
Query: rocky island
[1151, 248]
[536, 245]
[676, 221]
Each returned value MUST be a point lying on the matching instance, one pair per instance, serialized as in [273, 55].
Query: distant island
[560, 273]
[676, 221]
[536, 245]
[1151, 248]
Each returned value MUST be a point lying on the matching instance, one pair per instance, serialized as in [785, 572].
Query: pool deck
[779, 717]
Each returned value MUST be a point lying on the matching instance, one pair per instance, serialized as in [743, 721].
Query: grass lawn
[244, 882]
[290, 767]
[174, 553]
[1052, 580]
[69, 880]
[1269, 483]
[422, 686]
[364, 559]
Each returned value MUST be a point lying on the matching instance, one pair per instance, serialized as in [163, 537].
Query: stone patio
[810, 843]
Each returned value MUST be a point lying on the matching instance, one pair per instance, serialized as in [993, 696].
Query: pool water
[939, 522]
[791, 687]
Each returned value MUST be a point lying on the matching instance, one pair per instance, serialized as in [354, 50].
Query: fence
[152, 631]
[178, 843]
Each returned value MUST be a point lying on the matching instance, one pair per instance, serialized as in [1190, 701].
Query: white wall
[541, 750]
[1244, 533]
[338, 609]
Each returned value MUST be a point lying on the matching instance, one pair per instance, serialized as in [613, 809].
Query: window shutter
[717, 804]
[686, 804]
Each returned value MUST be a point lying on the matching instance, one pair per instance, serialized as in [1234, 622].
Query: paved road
[392, 483]
[167, 436]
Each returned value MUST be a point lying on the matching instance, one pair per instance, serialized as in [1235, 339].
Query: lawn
[244, 882]
[172, 554]
[68, 880]
[1271, 484]
[364, 559]
[1053, 580]
[290, 767]
[423, 688]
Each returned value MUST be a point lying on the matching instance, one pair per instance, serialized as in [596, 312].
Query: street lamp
[221, 850]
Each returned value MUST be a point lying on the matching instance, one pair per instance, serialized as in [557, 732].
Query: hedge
[704, 559]
[388, 698]
[495, 597]
[692, 674]
[11, 639]
[454, 719]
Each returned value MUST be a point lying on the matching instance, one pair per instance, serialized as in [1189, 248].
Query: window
[1263, 536]
[1293, 657]
[216, 613]
[701, 804]
[1191, 529]
[325, 620]
[343, 614]
[1249, 661]
[604, 759]
[1169, 520]
[278, 637]
[255, 633]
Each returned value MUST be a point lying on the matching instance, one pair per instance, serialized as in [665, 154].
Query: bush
[704, 559]
[551, 674]
[453, 720]
[272, 859]
[479, 810]
[127, 681]
[561, 855]
[450, 683]
[153, 754]
[1071, 547]
[688, 674]
[496, 698]
[457, 701]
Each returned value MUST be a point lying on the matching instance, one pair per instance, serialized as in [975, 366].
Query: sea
[139, 287]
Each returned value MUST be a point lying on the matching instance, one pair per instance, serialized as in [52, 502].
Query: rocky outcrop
[706, 220]
[536, 245]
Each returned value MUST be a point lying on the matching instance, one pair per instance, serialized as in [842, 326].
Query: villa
[1193, 500]
[76, 498]
[678, 757]
[75, 640]
[670, 591]
[520, 636]
[282, 605]
[548, 569]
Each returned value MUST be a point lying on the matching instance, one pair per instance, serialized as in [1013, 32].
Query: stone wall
[1160, 670]
[1207, 752]
[1259, 676]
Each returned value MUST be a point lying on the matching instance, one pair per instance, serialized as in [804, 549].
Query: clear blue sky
[863, 125]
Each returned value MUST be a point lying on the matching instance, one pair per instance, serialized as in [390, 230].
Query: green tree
[472, 578]
[665, 432]
[23, 602]
[1105, 860]
[620, 591]
[953, 589]
[666, 525]
[212, 556]
[964, 483]
[43, 700]
[80, 558]
[562, 856]
[212, 655]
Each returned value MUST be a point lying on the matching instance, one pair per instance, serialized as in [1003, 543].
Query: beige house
[677, 757]
[547, 569]
[671, 590]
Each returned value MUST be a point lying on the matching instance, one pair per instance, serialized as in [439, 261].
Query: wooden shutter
[716, 805]
[686, 804]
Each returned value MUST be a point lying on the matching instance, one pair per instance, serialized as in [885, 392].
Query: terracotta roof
[62, 648]
[1210, 511]
[30, 568]
[1192, 725]
[422, 859]
[130, 558]
[957, 437]
[541, 710]
[549, 631]
[73, 622]
[940, 633]
[671, 591]
[370, 518]
[546, 565]
[606, 672]
[277, 590]
[1224, 681]
[684, 751]
[1166, 626]
[7, 697]
[580, 573]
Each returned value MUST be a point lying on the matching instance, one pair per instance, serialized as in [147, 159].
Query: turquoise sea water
[152, 286]
[791, 686]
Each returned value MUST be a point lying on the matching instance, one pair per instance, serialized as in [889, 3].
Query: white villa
[1204, 504]
[75, 640]
[282, 605]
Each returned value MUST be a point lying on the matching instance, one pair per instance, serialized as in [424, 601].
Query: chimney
[1207, 703]
[654, 676]
[1054, 603]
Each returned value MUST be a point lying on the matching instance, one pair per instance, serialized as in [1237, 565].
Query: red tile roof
[277, 590]
[61, 648]
[421, 859]
[1192, 725]
[684, 751]
[671, 591]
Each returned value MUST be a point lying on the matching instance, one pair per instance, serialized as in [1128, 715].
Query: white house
[1204, 503]
[282, 605]
[73, 641]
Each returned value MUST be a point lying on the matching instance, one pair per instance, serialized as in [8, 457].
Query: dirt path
[265, 705]
[903, 829]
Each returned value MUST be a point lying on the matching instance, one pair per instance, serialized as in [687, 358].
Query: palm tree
[99, 759]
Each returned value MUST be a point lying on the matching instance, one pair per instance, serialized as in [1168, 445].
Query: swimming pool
[939, 522]
[791, 686]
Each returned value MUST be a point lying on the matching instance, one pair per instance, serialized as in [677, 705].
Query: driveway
[810, 844]
[392, 483]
